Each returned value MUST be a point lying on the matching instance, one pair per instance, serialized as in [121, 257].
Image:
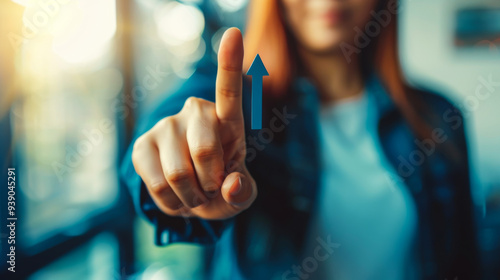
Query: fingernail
[236, 187]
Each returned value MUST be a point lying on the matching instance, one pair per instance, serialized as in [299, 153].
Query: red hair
[266, 35]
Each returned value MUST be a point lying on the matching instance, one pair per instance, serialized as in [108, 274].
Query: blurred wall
[430, 58]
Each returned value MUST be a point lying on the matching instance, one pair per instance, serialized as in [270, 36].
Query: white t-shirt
[360, 206]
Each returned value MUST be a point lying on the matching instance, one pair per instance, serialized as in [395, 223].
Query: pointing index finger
[228, 96]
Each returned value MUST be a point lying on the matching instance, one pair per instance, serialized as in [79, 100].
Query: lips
[334, 17]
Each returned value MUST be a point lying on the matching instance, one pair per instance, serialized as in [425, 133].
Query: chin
[327, 47]
[328, 41]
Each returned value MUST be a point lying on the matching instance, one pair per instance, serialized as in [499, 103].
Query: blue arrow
[257, 70]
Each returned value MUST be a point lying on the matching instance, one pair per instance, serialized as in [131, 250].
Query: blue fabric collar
[373, 85]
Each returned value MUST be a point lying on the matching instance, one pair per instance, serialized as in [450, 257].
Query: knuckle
[160, 189]
[229, 68]
[192, 102]
[138, 149]
[141, 142]
[206, 153]
[198, 108]
[208, 120]
[136, 157]
[166, 200]
[178, 176]
[169, 200]
[229, 92]
[167, 122]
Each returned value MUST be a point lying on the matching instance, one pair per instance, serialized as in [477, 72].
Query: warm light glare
[232, 5]
[83, 30]
[21, 2]
[178, 23]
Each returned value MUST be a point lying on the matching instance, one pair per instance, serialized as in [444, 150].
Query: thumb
[239, 190]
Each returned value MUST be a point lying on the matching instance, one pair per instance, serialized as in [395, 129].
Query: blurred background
[76, 74]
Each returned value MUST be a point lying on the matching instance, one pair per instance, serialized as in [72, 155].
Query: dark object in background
[489, 238]
[478, 27]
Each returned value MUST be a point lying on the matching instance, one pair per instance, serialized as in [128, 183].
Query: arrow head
[257, 68]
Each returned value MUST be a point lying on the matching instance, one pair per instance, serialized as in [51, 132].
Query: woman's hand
[193, 163]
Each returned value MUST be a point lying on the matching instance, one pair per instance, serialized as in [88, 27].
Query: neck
[335, 78]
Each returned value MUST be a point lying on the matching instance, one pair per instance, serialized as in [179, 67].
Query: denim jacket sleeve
[172, 229]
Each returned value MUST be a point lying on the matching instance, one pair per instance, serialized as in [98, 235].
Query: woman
[359, 176]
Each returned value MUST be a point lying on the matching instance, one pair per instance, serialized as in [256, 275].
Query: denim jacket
[283, 157]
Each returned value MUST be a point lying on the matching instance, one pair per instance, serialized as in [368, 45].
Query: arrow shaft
[256, 102]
